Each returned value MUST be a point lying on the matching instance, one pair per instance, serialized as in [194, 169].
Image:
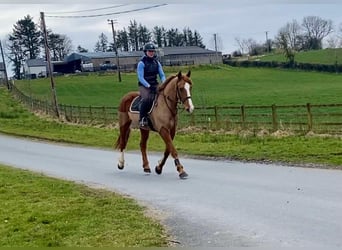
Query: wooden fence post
[79, 114]
[71, 113]
[65, 112]
[104, 115]
[90, 113]
[274, 117]
[243, 116]
[216, 116]
[308, 108]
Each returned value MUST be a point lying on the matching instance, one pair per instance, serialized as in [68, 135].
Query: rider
[147, 70]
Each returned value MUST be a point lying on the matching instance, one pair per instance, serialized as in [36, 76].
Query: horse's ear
[189, 73]
[179, 75]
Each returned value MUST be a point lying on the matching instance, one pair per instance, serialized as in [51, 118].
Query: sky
[227, 19]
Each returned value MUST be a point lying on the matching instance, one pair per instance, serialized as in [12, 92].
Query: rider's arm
[140, 72]
[161, 73]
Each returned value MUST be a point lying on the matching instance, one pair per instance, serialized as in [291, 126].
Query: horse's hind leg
[143, 146]
[168, 137]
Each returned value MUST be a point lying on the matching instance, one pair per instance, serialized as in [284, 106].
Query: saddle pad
[134, 108]
[135, 105]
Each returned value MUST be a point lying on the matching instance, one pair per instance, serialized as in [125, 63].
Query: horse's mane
[166, 82]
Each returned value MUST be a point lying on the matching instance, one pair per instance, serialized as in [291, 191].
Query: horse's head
[184, 87]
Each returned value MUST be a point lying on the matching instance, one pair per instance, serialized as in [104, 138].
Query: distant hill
[324, 56]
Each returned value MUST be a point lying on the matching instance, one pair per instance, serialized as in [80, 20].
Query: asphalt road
[223, 203]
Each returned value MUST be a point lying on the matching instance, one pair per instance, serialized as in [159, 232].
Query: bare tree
[241, 43]
[316, 29]
[290, 33]
[285, 45]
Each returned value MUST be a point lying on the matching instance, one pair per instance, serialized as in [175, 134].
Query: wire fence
[318, 118]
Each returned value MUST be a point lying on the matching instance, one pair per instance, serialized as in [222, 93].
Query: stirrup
[143, 122]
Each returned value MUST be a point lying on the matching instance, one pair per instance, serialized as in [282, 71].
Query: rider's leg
[144, 106]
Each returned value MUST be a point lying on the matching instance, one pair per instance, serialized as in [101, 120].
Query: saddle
[135, 105]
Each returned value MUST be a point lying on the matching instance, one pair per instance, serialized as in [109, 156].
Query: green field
[324, 56]
[219, 86]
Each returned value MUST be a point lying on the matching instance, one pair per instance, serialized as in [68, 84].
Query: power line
[108, 14]
[79, 11]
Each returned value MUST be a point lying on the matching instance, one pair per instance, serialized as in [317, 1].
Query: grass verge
[37, 211]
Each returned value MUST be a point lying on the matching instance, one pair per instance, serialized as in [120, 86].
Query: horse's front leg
[161, 163]
[121, 162]
[143, 146]
[168, 137]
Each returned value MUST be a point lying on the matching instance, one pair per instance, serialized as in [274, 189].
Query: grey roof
[2, 66]
[93, 55]
[36, 62]
[87, 56]
[185, 50]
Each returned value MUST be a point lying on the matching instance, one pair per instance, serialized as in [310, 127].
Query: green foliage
[37, 211]
[23, 43]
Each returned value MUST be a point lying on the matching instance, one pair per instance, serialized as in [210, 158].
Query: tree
[122, 40]
[80, 49]
[198, 40]
[291, 34]
[23, 43]
[144, 35]
[15, 55]
[159, 36]
[102, 44]
[316, 29]
[59, 45]
[242, 44]
[133, 35]
[285, 45]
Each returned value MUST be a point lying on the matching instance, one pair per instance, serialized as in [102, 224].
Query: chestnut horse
[163, 119]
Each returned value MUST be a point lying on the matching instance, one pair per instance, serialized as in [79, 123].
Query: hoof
[183, 175]
[158, 171]
[147, 170]
[121, 167]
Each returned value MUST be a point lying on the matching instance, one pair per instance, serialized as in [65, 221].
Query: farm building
[169, 56]
[34, 68]
[100, 61]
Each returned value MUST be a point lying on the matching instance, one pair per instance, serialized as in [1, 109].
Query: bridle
[178, 100]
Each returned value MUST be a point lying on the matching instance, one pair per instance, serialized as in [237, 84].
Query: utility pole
[48, 59]
[111, 22]
[215, 41]
[267, 42]
[5, 70]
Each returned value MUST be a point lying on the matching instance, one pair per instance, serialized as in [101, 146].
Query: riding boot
[144, 106]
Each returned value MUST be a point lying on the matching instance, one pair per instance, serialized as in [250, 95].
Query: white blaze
[188, 94]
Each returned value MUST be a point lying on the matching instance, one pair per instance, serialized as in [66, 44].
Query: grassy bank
[37, 211]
